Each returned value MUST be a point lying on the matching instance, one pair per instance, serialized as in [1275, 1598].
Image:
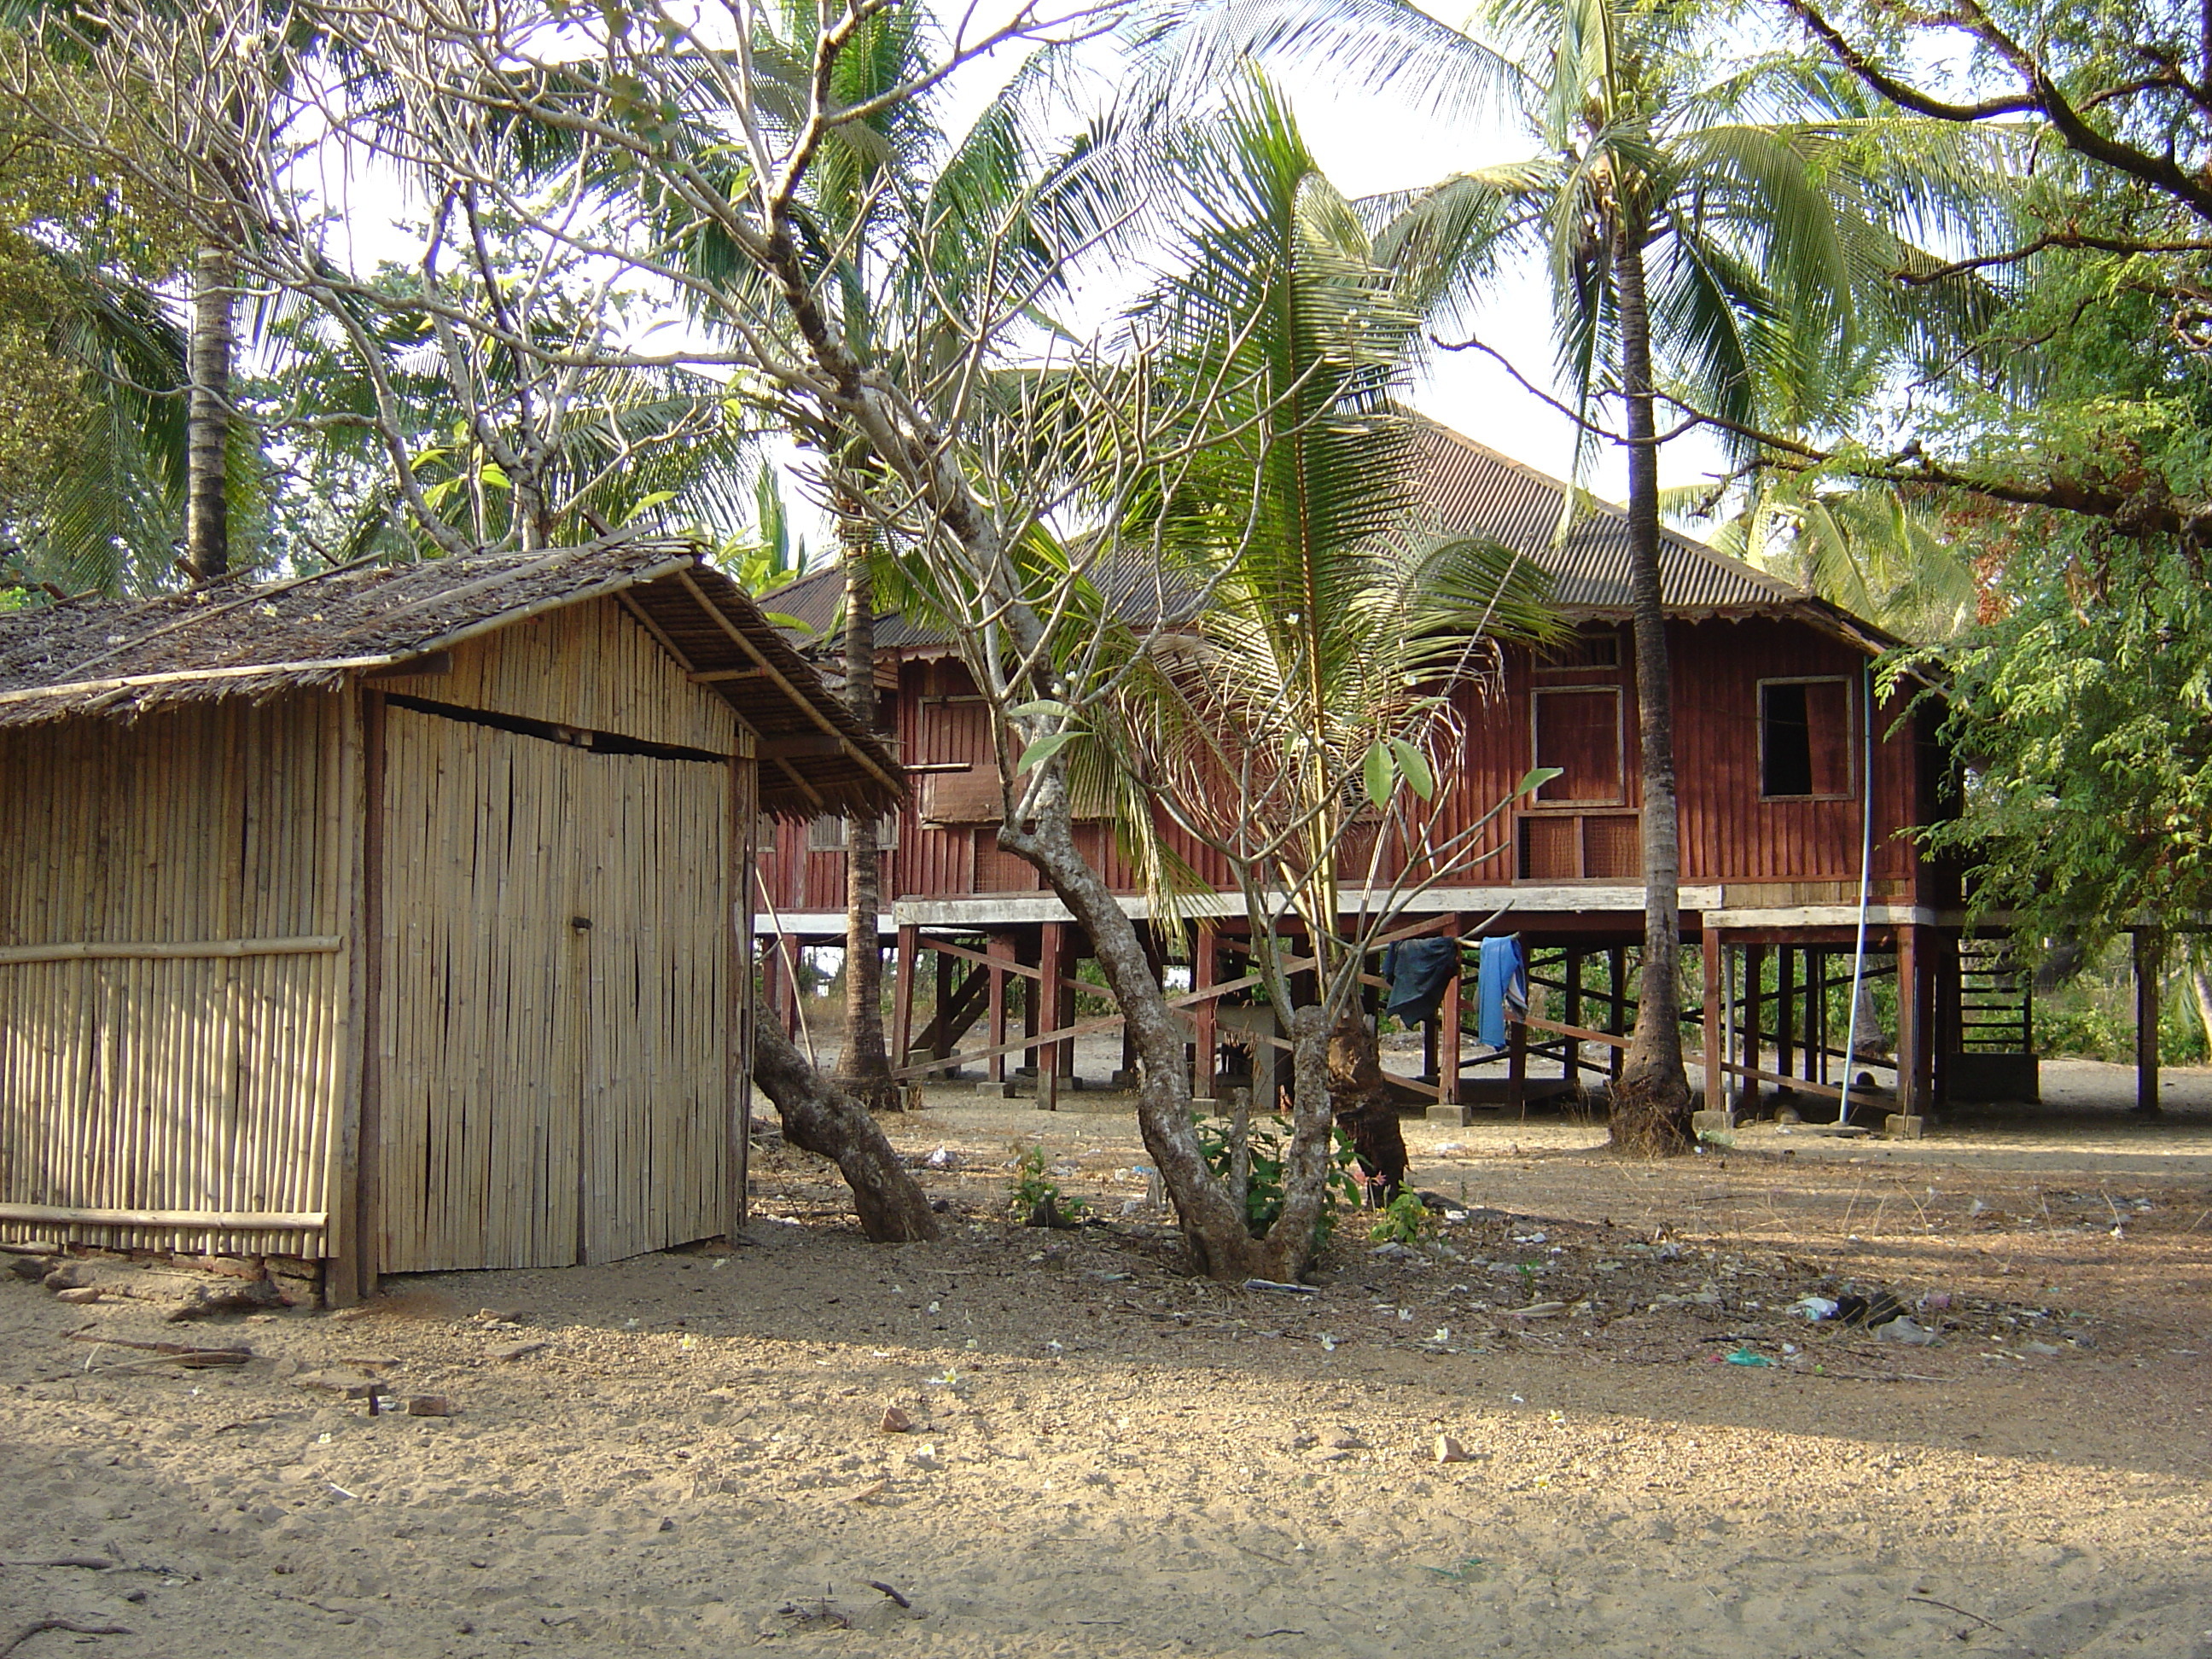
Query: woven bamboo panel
[589, 665]
[553, 1048]
[186, 1056]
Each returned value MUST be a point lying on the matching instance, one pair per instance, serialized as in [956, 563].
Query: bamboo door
[553, 1029]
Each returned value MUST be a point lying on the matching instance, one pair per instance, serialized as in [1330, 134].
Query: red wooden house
[1795, 781]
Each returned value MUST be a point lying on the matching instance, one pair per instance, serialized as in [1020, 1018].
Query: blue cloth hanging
[1419, 969]
[1502, 985]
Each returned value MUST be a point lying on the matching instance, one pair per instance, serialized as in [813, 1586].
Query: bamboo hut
[394, 919]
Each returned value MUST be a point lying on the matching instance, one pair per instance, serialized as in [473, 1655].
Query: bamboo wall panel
[203, 1073]
[589, 665]
[551, 1091]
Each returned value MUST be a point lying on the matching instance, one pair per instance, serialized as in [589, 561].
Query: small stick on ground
[1961, 1612]
[874, 1584]
[90, 1563]
[37, 1626]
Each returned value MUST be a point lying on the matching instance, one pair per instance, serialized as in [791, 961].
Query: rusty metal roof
[1462, 487]
[1467, 488]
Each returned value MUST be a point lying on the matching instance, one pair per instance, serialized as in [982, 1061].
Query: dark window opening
[573, 737]
[1804, 739]
[1580, 651]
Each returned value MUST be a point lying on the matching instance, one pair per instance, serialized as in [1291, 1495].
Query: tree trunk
[207, 418]
[1650, 1110]
[821, 1118]
[864, 1071]
[1364, 1104]
[1213, 1225]
[2201, 985]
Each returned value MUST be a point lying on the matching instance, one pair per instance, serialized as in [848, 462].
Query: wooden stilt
[1571, 1066]
[2148, 954]
[1203, 972]
[1430, 1030]
[1451, 1036]
[1029, 952]
[1816, 1016]
[1911, 1023]
[1616, 982]
[1785, 1011]
[1751, 1044]
[1715, 1035]
[999, 946]
[1517, 1069]
[1045, 995]
[902, 987]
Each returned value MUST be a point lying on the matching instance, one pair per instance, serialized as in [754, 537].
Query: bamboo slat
[168, 978]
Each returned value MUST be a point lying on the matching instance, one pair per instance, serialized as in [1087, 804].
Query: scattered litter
[1746, 1356]
[1902, 1329]
[1450, 1450]
[1271, 1284]
[2046, 1349]
[1537, 1310]
[1815, 1308]
[943, 1158]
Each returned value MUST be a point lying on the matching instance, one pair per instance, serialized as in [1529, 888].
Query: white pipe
[1866, 870]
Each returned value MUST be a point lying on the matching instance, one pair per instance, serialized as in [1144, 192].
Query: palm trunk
[864, 1071]
[1651, 1102]
[207, 419]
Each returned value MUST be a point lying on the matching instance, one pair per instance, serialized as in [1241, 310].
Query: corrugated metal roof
[1467, 488]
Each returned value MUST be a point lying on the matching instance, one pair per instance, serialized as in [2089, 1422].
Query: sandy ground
[1110, 1460]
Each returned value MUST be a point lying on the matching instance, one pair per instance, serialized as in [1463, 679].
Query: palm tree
[1707, 233]
[1310, 694]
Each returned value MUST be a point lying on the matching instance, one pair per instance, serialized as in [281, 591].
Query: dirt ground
[1653, 1454]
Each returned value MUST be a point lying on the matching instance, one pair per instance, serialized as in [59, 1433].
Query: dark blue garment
[1501, 985]
[1419, 969]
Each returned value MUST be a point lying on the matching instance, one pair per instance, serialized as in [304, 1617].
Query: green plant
[1266, 1144]
[1404, 1220]
[1034, 1190]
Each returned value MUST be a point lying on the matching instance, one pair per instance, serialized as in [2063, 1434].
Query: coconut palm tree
[1709, 235]
[1304, 707]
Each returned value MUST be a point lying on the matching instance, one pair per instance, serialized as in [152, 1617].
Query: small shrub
[1035, 1196]
[1404, 1220]
[1267, 1142]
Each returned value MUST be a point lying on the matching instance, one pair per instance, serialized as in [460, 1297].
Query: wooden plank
[93, 1216]
[168, 951]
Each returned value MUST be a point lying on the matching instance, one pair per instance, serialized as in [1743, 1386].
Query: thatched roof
[124, 658]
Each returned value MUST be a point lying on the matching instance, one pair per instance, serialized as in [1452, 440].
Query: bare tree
[660, 151]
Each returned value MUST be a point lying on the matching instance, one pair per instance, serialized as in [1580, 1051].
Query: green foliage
[1267, 1145]
[1404, 1220]
[1033, 1187]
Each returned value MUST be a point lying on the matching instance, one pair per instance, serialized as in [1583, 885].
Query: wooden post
[1816, 1016]
[1002, 947]
[1748, 1048]
[1617, 981]
[1911, 1023]
[1449, 1035]
[1044, 1001]
[368, 1149]
[744, 858]
[1202, 974]
[1571, 1066]
[902, 987]
[1716, 1096]
[1785, 1011]
[947, 970]
[1429, 1028]
[2148, 953]
[1516, 1067]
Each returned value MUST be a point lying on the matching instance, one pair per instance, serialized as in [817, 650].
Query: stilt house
[1796, 785]
[393, 918]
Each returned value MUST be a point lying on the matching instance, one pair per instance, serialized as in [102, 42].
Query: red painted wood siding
[1729, 833]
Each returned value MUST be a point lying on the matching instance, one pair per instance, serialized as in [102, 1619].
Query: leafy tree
[1705, 231]
[1301, 722]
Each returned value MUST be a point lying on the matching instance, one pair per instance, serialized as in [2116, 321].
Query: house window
[828, 835]
[1577, 729]
[1580, 651]
[1805, 739]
